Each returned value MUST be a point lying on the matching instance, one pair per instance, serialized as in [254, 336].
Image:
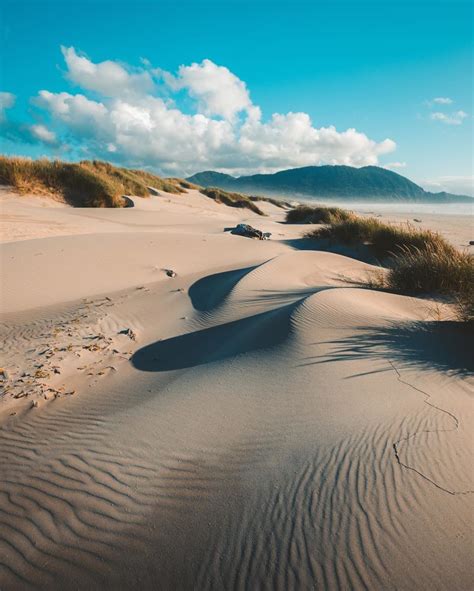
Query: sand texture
[258, 421]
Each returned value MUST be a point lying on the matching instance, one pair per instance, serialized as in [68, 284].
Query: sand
[258, 421]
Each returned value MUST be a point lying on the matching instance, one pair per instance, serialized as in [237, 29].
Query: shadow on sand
[207, 293]
[444, 346]
[260, 331]
[359, 252]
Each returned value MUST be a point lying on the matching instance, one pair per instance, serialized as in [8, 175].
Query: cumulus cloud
[107, 78]
[217, 90]
[454, 118]
[142, 117]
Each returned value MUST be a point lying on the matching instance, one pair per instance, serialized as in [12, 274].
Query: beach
[185, 408]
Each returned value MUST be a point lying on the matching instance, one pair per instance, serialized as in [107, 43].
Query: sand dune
[259, 421]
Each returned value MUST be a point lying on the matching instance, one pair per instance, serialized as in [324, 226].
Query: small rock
[34, 404]
[471, 242]
[250, 232]
[417, 220]
[170, 272]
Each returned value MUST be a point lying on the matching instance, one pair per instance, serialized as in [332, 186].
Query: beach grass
[231, 199]
[89, 183]
[94, 183]
[305, 214]
[418, 261]
[277, 202]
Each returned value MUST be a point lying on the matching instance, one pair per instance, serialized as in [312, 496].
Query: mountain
[329, 182]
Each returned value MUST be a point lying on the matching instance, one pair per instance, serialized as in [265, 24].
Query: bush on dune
[304, 214]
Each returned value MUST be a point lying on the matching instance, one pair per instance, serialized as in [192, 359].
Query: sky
[242, 87]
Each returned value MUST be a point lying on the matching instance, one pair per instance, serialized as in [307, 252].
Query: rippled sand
[265, 423]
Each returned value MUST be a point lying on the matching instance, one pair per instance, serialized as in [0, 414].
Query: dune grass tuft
[418, 261]
[277, 202]
[384, 239]
[231, 199]
[432, 269]
[90, 183]
[72, 182]
[305, 214]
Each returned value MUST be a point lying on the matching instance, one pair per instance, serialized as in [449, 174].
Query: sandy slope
[262, 423]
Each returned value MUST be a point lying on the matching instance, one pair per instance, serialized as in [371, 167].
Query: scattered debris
[250, 232]
[41, 373]
[129, 332]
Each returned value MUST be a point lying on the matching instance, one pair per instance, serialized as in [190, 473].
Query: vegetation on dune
[75, 183]
[93, 183]
[83, 184]
[134, 181]
[418, 261]
[384, 239]
[276, 202]
[305, 214]
[183, 183]
[231, 199]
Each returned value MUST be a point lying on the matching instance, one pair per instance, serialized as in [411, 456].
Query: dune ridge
[268, 426]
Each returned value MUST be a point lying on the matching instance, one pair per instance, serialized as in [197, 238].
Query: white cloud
[42, 133]
[395, 165]
[107, 78]
[7, 100]
[126, 119]
[442, 100]
[217, 89]
[454, 118]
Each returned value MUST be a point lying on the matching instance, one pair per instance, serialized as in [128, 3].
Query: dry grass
[418, 261]
[304, 214]
[384, 239]
[84, 184]
[276, 202]
[231, 199]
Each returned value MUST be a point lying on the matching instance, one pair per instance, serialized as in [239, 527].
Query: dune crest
[258, 421]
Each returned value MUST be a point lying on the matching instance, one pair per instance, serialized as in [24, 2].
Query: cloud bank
[199, 118]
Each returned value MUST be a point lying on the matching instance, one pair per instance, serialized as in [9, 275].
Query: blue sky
[323, 66]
